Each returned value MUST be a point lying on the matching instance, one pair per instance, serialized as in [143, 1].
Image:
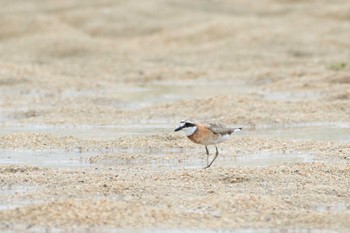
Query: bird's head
[188, 126]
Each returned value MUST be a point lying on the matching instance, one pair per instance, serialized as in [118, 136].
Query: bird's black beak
[178, 128]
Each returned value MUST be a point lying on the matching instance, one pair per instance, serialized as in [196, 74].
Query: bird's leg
[216, 155]
[206, 148]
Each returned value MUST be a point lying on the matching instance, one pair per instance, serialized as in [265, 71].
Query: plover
[206, 133]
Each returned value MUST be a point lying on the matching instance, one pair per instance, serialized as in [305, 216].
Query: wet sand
[90, 94]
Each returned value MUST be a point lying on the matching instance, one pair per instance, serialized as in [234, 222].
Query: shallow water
[311, 132]
[87, 131]
[53, 159]
[16, 190]
[17, 204]
[106, 229]
[289, 96]
[248, 230]
[317, 132]
[262, 159]
[333, 207]
[64, 159]
[129, 97]
[136, 97]
[148, 95]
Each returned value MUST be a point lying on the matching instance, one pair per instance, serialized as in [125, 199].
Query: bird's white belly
[217, 140]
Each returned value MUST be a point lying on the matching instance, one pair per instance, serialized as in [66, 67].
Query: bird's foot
[208, 166]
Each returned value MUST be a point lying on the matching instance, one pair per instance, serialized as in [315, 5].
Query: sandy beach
[91, 92]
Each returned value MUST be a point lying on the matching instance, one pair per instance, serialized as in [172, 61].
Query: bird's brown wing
[217, 128]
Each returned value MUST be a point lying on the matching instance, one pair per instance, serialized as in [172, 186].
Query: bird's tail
[236, 130]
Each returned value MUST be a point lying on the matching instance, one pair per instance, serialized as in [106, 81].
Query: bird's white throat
[189, 130]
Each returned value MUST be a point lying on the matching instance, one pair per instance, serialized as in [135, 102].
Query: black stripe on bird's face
[184, 125]
[188, 124]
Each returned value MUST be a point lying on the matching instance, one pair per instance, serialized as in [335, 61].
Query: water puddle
[69, 159]
[334, 207]
[262, 159]
[16, 191]
[75, 159]
[90, 132]
[129, 97]
[134, 97]
[289, 96]
[317, 133]
[126, 97]
[106, 229]
[17, 204]
[336, 133]
[52, 159]
[267, 158]
[247, 230]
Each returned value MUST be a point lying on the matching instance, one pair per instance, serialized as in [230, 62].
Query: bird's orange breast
[202, 135]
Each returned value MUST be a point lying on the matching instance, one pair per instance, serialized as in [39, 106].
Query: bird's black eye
[188, 124]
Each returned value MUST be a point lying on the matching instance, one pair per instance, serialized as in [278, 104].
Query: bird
[206, 133]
